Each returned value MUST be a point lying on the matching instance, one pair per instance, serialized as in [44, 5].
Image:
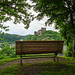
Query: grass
[56, 73]
[39, 55]
[44, 68]
[12, 70]
[3, 61]
[59, 69]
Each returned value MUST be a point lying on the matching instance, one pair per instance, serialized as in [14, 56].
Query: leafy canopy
[57, 11]
[60, 12]
[16, 10]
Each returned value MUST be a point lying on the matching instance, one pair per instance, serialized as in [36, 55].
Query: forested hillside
[11, 38]
[47, 35]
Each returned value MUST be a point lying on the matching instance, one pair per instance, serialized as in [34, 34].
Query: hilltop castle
[39, 32]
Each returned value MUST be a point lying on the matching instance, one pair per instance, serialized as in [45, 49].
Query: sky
[35, 25]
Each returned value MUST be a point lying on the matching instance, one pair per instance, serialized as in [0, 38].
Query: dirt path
[27, 60]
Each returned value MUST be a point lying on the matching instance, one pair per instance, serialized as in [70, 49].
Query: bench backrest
[38, 47]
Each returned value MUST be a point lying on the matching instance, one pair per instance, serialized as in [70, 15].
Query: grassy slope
[44, 68]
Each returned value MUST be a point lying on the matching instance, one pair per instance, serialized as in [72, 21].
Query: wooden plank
[55, 46]
[39, 41]
[36, 52]
[32, 51]
[36, 43]
[39, 48]
[35, 47]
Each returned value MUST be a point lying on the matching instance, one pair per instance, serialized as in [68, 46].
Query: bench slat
[36, 47]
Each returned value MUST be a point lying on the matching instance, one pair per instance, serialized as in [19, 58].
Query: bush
[7, 51]
[3, 56]
[69, 50]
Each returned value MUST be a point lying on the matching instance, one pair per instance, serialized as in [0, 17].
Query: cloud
[34, 26]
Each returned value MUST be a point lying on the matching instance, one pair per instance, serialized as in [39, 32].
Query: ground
[39, 66]
[29, 60]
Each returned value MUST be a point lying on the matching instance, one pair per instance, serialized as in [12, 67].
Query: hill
[11, 38]
[47, 35]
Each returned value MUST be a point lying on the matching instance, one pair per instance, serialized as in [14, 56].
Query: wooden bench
[38, 47]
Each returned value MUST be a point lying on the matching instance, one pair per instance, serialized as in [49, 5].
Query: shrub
[69, 50]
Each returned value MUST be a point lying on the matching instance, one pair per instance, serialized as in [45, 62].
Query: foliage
[7, 51]
[68, 52]
[61, 13]
[11, 38]
[15, 10]
[47, 35]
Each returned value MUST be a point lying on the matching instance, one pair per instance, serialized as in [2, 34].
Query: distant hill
[11, 38]
[47, 35]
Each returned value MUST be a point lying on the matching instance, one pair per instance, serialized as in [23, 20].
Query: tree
[7, 51]
[60, 12]
[16, 10]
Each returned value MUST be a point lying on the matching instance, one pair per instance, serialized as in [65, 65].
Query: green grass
[47, 68]
[57, 73]
[59, 69]
[3, 61]
[39, 55]
[12, 70]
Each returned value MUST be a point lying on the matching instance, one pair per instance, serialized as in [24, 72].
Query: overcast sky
[34, 26]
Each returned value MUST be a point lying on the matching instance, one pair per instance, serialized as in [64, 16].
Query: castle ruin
[39, 32]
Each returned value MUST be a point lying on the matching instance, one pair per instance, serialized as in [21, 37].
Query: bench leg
[21, 60]
[57, 59]
[55, 55]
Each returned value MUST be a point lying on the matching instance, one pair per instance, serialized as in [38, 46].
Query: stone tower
[39, 32]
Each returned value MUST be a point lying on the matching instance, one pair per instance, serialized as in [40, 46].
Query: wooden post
[21, 60]
[57, 59]
[58, 50]
[21, 53]
[55, 55]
